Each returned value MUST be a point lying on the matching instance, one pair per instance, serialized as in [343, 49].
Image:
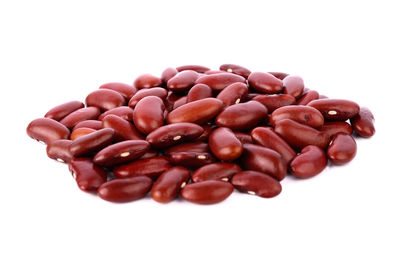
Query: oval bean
[363, 123]
[293, 85]
[275, 101]
[127, 91]
[182, 81]
[342, 149]
[123, 112]
[235, 69]
[207, 192]
[145, 92]
[336, 109]
[59, 150]
[72, 119]
[105, 99]
[87, 175]
[61, 111]
[218, 82]
[302, 114]
[76, 133]
[233, 94]
[256, 183]
[310, 162]
[216, 171]
[124, 130]
[199, 91]
[147, 81]
[334, 127]
[46, 130]
[265, 83]
[87, 144]
[151, 167]
[148, 114]
[224, 144]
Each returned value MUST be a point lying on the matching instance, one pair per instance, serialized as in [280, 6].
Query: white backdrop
[53, 51]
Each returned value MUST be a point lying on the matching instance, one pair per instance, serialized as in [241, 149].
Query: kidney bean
[265, 83]
[125, 190]
[302, 114]
[92, 142]
[293, 85]
[199, 91]
[207, 192]
[233, 94]
[148, 114]
[245, 138]
[242, 116]
[124, 130]
[191, 159]
[264, 160]
[206, 133]
[310, 162]
[334, 127]
[212, 72]
[145, 92]
[279, 75]
[199, 111]
[182, 81]
[173, 134]
[276, 101]
[188, 147]
[196, 68]
[147, 81]
[342, 149]
[76, 133]
[89, 113]
[168, 185]
[87, 175]
[61, 111]
[268, 138]
[180, 102]
[123, 112]
[151, 167]
[256, 183]
[236, 69]
[92, 124]
[218, 82]
[216, 171]
[46, 130]
[167, 74]
[59, 150]
[308, 97]
[299, 135]
[336, 109]
[105, 99]
[121, 152]
[170, 100]
[363, 123]
[127, 91]
[224, 144]
[149, 154]
[251, 96]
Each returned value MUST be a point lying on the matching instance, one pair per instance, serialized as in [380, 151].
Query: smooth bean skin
[363, 123]
[273, 102]
[182, 81]
[170, 100]
[123, 112]
[92, 124]
[262, 159]
[235, 69]
[245, 138]
[59, 150]
[145, 92]
[293, 85]
[147, 81]
[125, 190]
[336, 109]
[121, 152]
[212, 72]
[89, 113]
[308, 97]
[233, 94]
[302, 114]
[196, 68]
[207, 128]
[46, 130]
[216, 171]
[310, 162]
[149, 154]
[266, 137]
[87, 175]
[279, 75]
[257, 183]
[105, 99]
[243, 116]
[224, 144]
[199, 111]
[207, 192]
[298, 135]
[127, 91]
[180, 102]
[188, 147]
[342, 149]
[61, 111]
[172, 134]
[265, 83]
[334, 127]
[148, 114]
[192, 159]
[167, 74]
[76, 133]
[151, 167]
[218, 82]
[124, 130]
[199, 91]
[168, 185]
[87, 144]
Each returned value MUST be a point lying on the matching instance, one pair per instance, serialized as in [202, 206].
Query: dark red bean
[293, 85]
[363, 123]
[308, 97]
[224, 144]
[256, 183]
[251, 96]
[147, 81]
[145, 92]
[245, 138]
[342, 149]
[233, 94]
[59, 150]
[89, 113]
[123, 112]
[167, 74]
[168, 185]
[125, 190]
[302, 114]
[199, 91]
[265, 83]
[310, 162]
[336, 109]
[61, 111]
[279, 75]
[235, 69]
[148, 114]
[180, 102]
[105, 99]
[88, 176]
[191, 159]
[334, 127]
[124, 130]
[170, 100]
[87, 144]
[273, 102]
[127, 91]
[46, 130]
[188, 147]
[206, 133]
[182, 81]
[217, 82]
[216, 171]
[149, 154]
[151, 167]
[76, 133]
[207, 192]
[196, 68]
[92, 124]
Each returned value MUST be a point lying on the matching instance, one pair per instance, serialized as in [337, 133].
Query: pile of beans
[200, 133]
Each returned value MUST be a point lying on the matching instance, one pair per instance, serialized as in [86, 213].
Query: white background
[56, 51]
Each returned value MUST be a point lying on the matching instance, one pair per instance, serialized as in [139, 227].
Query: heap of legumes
[199, 133]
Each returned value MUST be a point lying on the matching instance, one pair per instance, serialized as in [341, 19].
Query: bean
[257, 183]
[148, 114]
[127, 91]
[125, 190]
[46, 130]
[207, 128]
[167, 74]
[89, 113]
[293, 85]
[212, 72]
[279, 75]
[265, 83]
[336, 109]
[218, 82]
[308, 97]
[182, 81]
[92, 124]
[334, 127]
[59, 150]
[216, 171]
[235, 69]
[342, 149]
[245, 138]
[310, 162]
[207, 192]
[363, 123]
[87, 144]
[123, 112]
[61, 111]
[224, 144]
[147, 81]
[192, 159]
[275, 101]
[145, 92]
[87, 175]
[199, 91]
[302, 114]
[233, 94]
[180, 102]
[76, 133]
[188, 147]
[196, 68]
[170, 100]
[105, 99]
[151, 167]
[149, 154]
[124, 130]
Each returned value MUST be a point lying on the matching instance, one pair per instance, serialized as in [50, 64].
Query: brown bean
[207, 192]
[256, 183]
[302, 114]
[148, 114]
[336, 109]
[293, 85]
[123, 112]
[61, 111]
[167, 74]
[273, 102]
[188, 147]
[182, 81]
[233, 94]
[224, 144]
[145, 92]
[87, 144]
[308, 97]
[196, 68]
[125, 190]
[147, 81]
[88, 176]
[363, 123]
[124, 130]
[334, 127]
[245, 138]
[265, 83]
[105, 99]
[92, 124]
[342, 149]
[191, 159]
[199, 91]
[151, 167]
[218, 82]
[46, 130]
[127, 91]
[59, 150]
[89, 113]
[235, 69]
[76, 133]
[216, 171]
[310, 162]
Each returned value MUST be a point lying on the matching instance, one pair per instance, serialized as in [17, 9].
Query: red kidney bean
[251, 96]
[265, 83]
[59, 150]
[168, 185]
[123, 112]
[145, 92]
[46, 130]
[61, 111]
[218, 82]
[310, 162]
[242, 116]
[151, 167]
[124, 130]
[206, 133]
[182, 81]
[173, 134]
[87, 175]
[149, 154]
[191, 159]
[363, 123]
[235, 69]
[92, 124]
[224, 144]
[212, 72]
[180, 102]
[334, 127]
[273, 102]
[207, 192]
[188, 147]
[256, 183]
[233, 94]
[342, 149]
[121, 152]
[216, 171]
[127, 91]
[148, 114]
[245, 138]
[199, 91]
[300, 135]
[196, 68]
[147, 81]
[308, 97]
[76, 133]
[279, 75]
[170, 100]
[167, 74]
[264, 160]
[92, 142]
[199, 111]
[268, 138]
[89, 113]
[336, 109]
[302, 114]
[125, 190]
[293, 85]
[105, 99]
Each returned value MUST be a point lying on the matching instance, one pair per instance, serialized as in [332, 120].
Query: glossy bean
[302, 114]
[196, 68]
[199, 91]
[245, 138]
[279, 75]
[216, 171]
[191, 159]
[206, 133]
[224, 144]
[105, 99]
[334, 127]
[218, 82]
[180, 102]
[207, 192]
[211, 72]
[89, 113]
[188, 147]
[273, 102]
[182, 81]
[256, 183]
[265, 83]
[127, 91]
[342, 149]
[167, 74]
[92, 124]
[145, 92]
[87, 175]
[235, 69]
[293, 85]
[336, 109]
[76, 133]
[61, 111]
[124, 130]
[233, 94]
[147, 81]
[148, 114]
[151, 167]
[87, 144]
[59, 150]
[46, 130]
[363, 123]
[310, 162]
[149, 154]
[170, 100]
[123, 112]
[125, 190]
[308, 97]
